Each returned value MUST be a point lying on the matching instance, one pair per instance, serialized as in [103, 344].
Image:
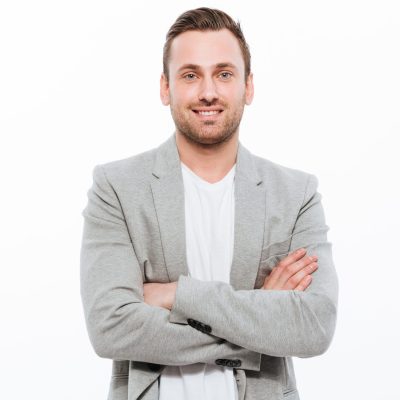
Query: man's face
[206, 89]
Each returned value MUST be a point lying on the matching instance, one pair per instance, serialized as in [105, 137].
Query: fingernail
[300, 251]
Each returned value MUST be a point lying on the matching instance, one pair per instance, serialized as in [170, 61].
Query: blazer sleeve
[120, 325]
[273, 322]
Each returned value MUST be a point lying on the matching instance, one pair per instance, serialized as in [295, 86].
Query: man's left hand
[160, 294]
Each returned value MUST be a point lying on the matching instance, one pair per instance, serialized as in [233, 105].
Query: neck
[210, 162]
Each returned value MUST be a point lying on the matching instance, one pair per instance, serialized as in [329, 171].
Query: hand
[160, 294]
[292, 273]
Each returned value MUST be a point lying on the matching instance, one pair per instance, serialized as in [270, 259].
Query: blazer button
[206, 328]
[228, 363]
[199, 325]
[193, 323]
[237, 363]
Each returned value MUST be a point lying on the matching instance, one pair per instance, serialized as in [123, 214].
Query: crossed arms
[124, 324]
[291, 273]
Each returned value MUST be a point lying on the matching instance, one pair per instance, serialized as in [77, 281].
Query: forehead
[205, 48]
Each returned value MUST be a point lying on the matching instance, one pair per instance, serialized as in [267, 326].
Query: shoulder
[137, 168]
[285, 180]
[272, 170]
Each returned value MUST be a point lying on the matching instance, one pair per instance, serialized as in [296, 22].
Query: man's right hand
[292, 273]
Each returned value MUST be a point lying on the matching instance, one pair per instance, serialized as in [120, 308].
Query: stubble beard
[207, 133]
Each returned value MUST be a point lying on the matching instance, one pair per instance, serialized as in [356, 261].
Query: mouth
[209, 113]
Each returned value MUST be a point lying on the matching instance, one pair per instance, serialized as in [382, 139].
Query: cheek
[232, 94]
[183, 94]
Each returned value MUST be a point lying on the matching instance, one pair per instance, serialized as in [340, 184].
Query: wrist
[171, 294]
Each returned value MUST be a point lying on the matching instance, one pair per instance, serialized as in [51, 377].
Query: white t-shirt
[209, 223]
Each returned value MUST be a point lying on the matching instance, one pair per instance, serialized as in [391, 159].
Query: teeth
[208, 112]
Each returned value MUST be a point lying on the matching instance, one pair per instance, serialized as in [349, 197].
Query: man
[205, 268]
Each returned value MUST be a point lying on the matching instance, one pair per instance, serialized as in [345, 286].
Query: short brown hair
[205, 19]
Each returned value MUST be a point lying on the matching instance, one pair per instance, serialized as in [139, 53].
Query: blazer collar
[167, 162]
[169, 202]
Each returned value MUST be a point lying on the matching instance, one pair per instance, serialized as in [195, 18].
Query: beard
[208, 133]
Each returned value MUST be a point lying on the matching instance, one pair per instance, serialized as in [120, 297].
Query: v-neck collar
[208, 185]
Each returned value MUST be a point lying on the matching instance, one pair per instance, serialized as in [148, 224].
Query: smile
[208, 113]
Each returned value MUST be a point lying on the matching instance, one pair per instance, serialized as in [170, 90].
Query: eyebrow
[196, 67]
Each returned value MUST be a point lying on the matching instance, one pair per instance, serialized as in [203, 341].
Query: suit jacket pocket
[141, 376]
[118, 389]
[120, 368]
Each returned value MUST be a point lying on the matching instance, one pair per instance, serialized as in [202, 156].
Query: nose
[208, 90]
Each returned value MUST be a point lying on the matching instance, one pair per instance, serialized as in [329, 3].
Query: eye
[189, 77]
[225, 75]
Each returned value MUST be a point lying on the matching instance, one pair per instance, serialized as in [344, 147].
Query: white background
[79, 86]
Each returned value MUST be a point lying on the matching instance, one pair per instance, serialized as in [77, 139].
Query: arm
[120, 325]
[274, 322]
[291, 273]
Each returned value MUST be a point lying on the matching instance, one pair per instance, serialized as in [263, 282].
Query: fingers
[304, 283]
[298, 277]
[287, 277]
[292, 257]
[292, 272]
[276, 272]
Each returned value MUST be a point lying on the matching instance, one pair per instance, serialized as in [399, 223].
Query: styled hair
[205, 19]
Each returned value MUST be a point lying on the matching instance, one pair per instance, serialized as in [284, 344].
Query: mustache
[209, 104]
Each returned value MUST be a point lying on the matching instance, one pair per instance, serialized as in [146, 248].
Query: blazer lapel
[250, 207]
[168, 196]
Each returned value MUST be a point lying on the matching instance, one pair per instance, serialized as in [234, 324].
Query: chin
[212, 139]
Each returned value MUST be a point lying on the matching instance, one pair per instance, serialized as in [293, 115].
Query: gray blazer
[134, 232]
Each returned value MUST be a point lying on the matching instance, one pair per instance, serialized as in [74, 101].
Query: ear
[249, 89]
[164, 90]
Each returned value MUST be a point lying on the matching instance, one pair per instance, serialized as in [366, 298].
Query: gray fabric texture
[134, 232]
